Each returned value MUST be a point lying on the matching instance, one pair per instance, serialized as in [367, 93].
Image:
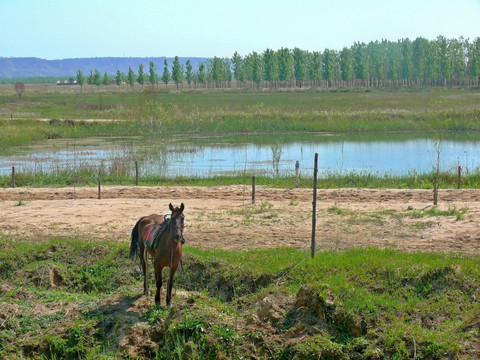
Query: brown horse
[168, 252]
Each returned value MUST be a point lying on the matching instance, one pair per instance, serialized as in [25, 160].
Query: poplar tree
[419, 55]
[97, 77]
[457, 50]
[177, 71]
[257, 69]
[166, 73]
[406, 60]
[285, 64]
[141, 75]
[119, 78]
[216, 71]
[189, 73]
[360, 67]
[247, 68]
[474, 60]
[270, 65]
[80, 78]
[131, 77]
[105, 79]
[299, 66]
[238, 67]
[201, 75]
[90, 80]
[316, 67]
[227, 70]
[152, 78]
[327, 66]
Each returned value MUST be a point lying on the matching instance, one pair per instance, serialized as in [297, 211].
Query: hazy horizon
[52, 30]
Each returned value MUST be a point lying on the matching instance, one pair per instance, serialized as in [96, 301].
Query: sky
[61, 29]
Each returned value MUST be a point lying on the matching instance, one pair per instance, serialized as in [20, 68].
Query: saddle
[154, 231]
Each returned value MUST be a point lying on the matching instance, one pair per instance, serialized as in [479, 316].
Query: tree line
[439, 62]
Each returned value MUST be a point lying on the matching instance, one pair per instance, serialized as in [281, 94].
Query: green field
[64, 114]
[268, 304]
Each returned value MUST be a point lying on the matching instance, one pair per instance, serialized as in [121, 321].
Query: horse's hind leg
[158, 281]
[173, 269]
[146, 281]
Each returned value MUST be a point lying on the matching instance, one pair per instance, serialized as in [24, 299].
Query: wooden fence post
[136, 172]
[435, 191]
[459, 178]
[314, 203]
[297, 170]
[13, 176]
[253, 189]
[99, 188]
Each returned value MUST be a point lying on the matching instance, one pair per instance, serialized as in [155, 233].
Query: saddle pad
[153, 233]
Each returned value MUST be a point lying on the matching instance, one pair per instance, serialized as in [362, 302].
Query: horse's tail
[134, 245]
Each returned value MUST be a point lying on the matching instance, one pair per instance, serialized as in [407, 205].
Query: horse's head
[176, 219]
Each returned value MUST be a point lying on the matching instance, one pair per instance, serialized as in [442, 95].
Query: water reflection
[258, 154]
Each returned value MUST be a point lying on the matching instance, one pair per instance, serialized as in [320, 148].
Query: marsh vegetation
[155, 117]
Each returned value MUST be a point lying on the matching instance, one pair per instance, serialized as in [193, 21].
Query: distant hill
[33, 67]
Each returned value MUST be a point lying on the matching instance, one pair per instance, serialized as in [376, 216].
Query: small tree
[131, 77]
[19, 88]
[153, 78]
[257, 69]
[177, 71]
[90, 79]
[97, 77]
[80, 78]
[141, 76]
[119, 78]
[189, 73]
[105, 80]
[216, 72]
[166, 73]
[238, 67]
[201, 75]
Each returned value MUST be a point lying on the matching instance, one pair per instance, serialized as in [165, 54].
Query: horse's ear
[182, 207]
[170, 206]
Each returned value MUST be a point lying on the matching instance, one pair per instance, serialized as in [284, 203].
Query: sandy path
[222, 217]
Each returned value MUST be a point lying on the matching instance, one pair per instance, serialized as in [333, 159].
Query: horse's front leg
[158, 281]
[173, 269]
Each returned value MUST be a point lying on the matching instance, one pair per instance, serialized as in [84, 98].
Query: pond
[394, 154]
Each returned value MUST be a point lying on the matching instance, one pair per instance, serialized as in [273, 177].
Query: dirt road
[223, 217]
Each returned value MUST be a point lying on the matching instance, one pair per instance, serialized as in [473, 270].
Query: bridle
[176, 239]
[175, 227]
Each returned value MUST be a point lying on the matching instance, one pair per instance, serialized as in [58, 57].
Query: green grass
[281, 304]
[121, 173]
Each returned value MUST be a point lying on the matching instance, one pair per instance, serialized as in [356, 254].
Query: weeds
[262, 212]
[434, 211]
[20, 203]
